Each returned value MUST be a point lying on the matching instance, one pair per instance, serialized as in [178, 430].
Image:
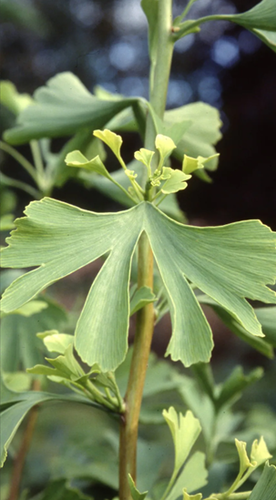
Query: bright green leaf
[165, 146]
[259, 452]
[59, 239]
[58, 342]
[144, 156]
[140, 298]
[201, 136]
[14, 101]
[266, 486]
[189, 164]
[244, 460]
[185, 431]
[112, 140]
[61, 108]
[186, 496]
[77, 159]
[192, 477]
[176, 182]
[136, 495]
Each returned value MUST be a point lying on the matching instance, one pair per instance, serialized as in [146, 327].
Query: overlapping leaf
[16, 405]
[228, 263]
[61, 108]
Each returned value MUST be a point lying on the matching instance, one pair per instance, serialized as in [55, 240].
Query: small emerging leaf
[176, 182]
[165, 146]
[112, 140]
[140, 298]
[78, 160]
[136, 495]
[259, 452]
[186, 496]
[144, 156]
[185, 431]
[190, 164]
[58, 342]
[244, 460]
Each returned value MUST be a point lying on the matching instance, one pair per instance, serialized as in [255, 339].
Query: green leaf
[203, 133]
[243, 457]
[14, 101]
[140, 298]
[235, 384]
[61, 108]
[261, 20]
[77, 159]
[32, 307]
[267, 318]
[60, 490]
[186, 496]
[112, 140]
[58, 239]
[185, 431]
[136, 495]
[189, 164]
[176, 181]
[6, 222]
[257, 343]
[165, 146]
[57, 342]
[266, 486]
[192, 477]
[19, 344]
[259, 452]
[144, 156]
[16, 405]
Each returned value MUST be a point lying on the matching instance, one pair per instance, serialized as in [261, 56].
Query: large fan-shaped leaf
[61, 108]
[228, 263]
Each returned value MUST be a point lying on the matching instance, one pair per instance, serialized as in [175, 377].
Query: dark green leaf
[62, 108]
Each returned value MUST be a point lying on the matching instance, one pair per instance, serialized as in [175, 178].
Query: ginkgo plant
[152, 263]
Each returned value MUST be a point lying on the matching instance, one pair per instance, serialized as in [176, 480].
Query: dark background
[105, 42]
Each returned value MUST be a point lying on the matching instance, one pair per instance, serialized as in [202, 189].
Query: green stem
[141, 350]
[145, 317]
[20, 159]
[160, 78]
[38, 165]
[8, 181]
[187, 8]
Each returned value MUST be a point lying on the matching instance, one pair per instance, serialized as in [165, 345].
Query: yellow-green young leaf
[184, 431]
[78, 160]
[32, 307]
[193, 476]
[144, 156]
[61, 108]
[265, 488]
[112, 140]
[201, 136]
[189, 164]
[186, 496]
[165, 146]
[136, 495]
[58, 342]
[14, 101]
[228, 263]
[259, 452]
[175, 180]
[244, 460]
